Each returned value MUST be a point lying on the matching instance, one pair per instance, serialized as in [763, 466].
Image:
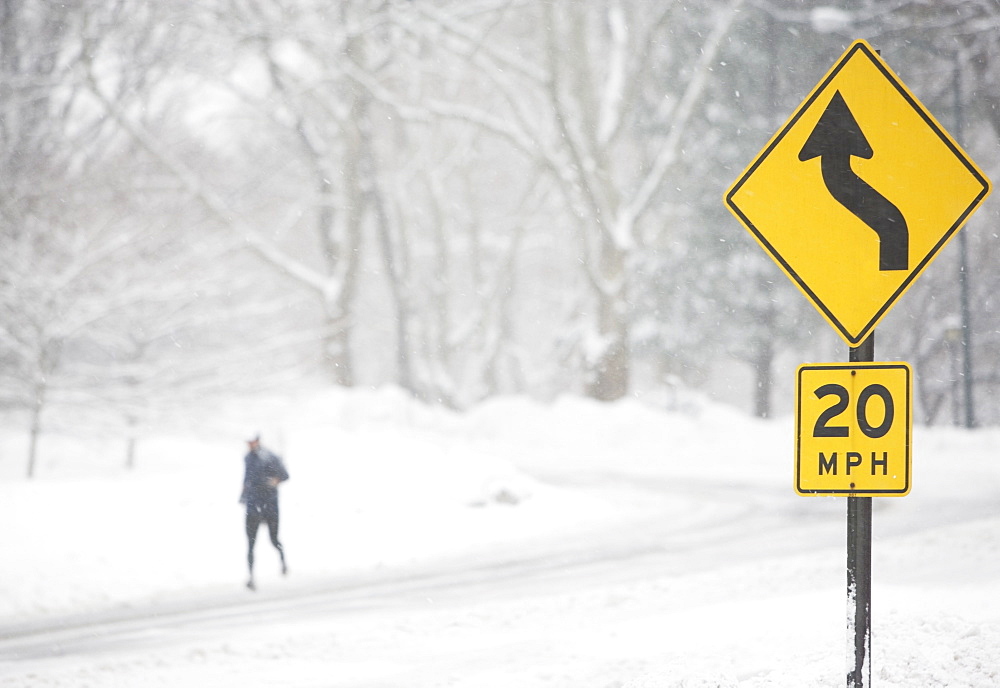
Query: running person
[264, 472]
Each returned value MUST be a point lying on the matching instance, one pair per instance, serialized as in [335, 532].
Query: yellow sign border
[908, 450]
[855, 338]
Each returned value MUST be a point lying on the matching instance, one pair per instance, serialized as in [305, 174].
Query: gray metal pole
[859, 566]
[963, 269]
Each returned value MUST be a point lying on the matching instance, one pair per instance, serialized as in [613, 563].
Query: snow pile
[376, 481]
[670, 550]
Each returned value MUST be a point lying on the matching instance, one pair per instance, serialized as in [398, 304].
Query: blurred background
[460, 198]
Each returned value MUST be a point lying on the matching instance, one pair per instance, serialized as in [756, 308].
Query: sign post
[859, 566]
[853, 198]
[853, 433]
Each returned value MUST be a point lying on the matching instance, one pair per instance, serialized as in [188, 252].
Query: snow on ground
[742, 585]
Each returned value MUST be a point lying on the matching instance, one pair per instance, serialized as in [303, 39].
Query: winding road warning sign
[857, 193]
[835, 140]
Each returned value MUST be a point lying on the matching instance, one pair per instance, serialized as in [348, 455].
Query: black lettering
[867, 393]
[821, 428]
[883, 462]
[828, 465]
[853, 461]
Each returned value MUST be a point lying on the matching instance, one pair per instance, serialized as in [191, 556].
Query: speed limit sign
[853, 426]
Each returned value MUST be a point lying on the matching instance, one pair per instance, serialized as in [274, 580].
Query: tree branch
[208, 199]
[682, 114]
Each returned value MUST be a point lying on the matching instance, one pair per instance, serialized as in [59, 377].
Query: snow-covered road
[522, 611]
[518, 545]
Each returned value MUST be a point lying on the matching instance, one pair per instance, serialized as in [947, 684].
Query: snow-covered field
[519, 544]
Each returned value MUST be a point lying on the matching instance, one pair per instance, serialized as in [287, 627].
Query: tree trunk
[609, 370]
[131, 441]
[342, 236]
[608, 379]
[36, 429]
[763, 367]
[395, 264]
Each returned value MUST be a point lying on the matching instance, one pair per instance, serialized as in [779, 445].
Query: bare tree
[568, 100]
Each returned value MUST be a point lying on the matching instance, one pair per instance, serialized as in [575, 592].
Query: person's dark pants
[269, 514]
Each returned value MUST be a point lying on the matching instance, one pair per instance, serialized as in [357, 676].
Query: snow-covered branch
[195, 186]
[477, 44]
[682, 115]
[614, 86]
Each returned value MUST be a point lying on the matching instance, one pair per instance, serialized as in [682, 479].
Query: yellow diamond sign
[857, 193]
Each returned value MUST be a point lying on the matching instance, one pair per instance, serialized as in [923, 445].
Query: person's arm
[245, 494]
[277, 472]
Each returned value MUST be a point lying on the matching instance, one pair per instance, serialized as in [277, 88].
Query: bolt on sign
[853, 429]
[857, 193]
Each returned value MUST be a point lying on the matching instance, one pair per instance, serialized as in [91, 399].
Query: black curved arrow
[836, 138]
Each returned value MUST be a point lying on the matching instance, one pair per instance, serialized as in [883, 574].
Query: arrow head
[837, 134]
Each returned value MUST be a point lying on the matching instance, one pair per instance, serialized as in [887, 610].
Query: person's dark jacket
[262, 466]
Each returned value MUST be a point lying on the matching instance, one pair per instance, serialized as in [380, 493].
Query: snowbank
[380, 483]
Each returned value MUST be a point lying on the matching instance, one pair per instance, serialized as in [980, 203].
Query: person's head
[254, 443]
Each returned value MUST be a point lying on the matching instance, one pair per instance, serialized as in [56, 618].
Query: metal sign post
[859, 565]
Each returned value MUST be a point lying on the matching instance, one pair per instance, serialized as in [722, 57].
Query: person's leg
[253, 523]
[272, 529]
